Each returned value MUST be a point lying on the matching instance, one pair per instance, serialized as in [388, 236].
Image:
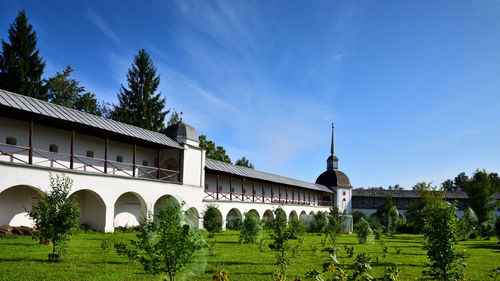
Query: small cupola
[182, 133]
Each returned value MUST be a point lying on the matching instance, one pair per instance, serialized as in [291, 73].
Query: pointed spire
[332, 149]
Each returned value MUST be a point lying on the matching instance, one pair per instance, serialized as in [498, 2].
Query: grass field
[22, 258]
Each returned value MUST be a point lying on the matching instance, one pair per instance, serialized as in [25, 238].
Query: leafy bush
[335, 220]
[319, 222]
[212, 220]
[487, 229]
[440, 232]
[391, 273]
[356, 215]
[165, 245]
[280, 235]
[235, 224]
[350, 251]
[56, 215]
[252, 229]
[297, 228]
[392, 221]
[364, 232]
[467, 224]
[361, 267]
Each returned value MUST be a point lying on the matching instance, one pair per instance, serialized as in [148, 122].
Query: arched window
[119, 158]
[90, 154]
[54, 148]
[11, 140]
[145, 163]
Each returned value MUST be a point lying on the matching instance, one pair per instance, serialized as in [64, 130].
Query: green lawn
[22, 258]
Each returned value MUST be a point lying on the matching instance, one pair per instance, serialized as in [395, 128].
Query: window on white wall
[53, 148]
[11, 140]
[145, 163]
[119, 158]
[90, 154]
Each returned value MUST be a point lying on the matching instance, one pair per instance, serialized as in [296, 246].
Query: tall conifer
[140, 104]
[21, 66]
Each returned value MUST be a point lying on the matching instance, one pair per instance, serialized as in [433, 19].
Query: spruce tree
[21, 66]
[63, 90]
[140, 104]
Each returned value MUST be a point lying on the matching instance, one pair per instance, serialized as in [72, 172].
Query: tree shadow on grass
[2, 259]
[490, 246]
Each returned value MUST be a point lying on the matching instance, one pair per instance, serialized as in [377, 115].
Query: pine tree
[63, 90]
[139, 104]
[21, 67]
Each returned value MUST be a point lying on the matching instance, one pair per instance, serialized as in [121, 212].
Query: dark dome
[332, 157]
[181, 131]
[331, 178]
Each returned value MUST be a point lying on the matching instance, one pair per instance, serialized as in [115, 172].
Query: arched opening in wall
[254, 213]
[234, 219]
[92, 209]
[311, 213]
[193, 217]
[13, 204]
[129, 208]
[305, 218]
[292, 216]
[268, 215]
[162, 202]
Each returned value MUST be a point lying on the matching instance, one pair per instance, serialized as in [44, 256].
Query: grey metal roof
[245, 172]
[358, 192]
[51, 110]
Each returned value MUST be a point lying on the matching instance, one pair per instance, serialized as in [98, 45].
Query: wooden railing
[219, 195]
[40, 157]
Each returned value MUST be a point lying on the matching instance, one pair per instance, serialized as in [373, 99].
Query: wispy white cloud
[102, 25]
[335, 57]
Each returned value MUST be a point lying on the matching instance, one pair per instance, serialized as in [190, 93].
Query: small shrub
[361, 267]
[378, 233]
[392, 221]
[384, 248]
[252, 229]
[235, 224]
[319, 222]
[211, 248]
[350, 251]
[262, 245]
[297, 228]
[107, 244]
[221, 274]
[212, 220]
[487, 229]
[391, 273]
[399, 251]
[467, 224]
[315, 248]
[364, 232]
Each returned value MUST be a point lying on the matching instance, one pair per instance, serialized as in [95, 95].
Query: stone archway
[268, 215]
[193, 217]
[14, 201]
[234, 219]
[162, 202]
[293, 215]
[129, 208]
[92, 209]
[254, 213]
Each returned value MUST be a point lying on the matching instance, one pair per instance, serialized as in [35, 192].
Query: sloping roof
[455, 194]
[46, 109]
[245, 172]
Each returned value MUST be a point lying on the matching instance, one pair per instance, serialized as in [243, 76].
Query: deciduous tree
[56, 215]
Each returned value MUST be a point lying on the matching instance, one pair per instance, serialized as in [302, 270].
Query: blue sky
[412, 86]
